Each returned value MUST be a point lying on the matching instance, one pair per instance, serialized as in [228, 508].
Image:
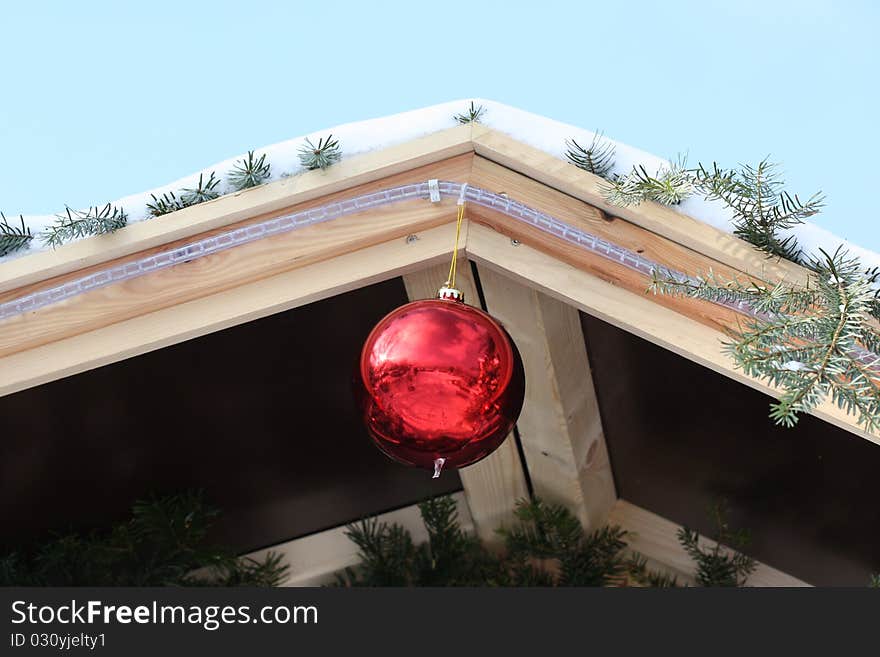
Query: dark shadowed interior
[682, 436]
[260, 416]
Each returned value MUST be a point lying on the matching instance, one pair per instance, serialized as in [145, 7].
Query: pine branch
[761, 207]
[249, 172]
[637, 569]
[551, 532]
[327, 152]
[75, 224]
[163, 543]
[471, 115]
[672, 184]
[205, 191]
[722, 564]
[13, 238]
[165, 205]
[812, 343]
[597, 158]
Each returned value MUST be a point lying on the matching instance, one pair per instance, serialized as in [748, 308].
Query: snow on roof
[537, 131]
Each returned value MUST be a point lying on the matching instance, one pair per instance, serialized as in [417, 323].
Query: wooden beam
[231, 268]
[654, 537]
[635, 313]
[579, 215]
[224, 309]
[676, 226]
[315, 559]
[560, 428]
[236, 207]
[493, 485]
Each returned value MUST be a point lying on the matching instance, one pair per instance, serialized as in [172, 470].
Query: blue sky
[105, 99]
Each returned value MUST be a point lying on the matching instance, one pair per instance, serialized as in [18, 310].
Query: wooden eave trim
[676, 226]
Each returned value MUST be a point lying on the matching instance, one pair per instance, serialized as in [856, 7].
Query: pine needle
[13, 238]
[75, 224]
[813, 343]
[597, 158]
[205, 191]
[473, 114]
[326, 153]
[249, 172]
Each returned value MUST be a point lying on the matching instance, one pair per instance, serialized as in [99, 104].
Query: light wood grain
[578, 214]
[678, 227]
[233, 267]
[315, 559]
[635, 313]
[654, 537]
[560, 428]
[232, 208]
[493, 485]
[223, 309]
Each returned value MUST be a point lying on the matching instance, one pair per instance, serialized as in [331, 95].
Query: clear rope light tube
[293, 221]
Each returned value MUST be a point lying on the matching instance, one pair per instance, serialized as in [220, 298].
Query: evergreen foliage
[74, 224]
[169, 202]
[597, 158]
[762, 209]
[449, 558]
[205, 191]
[166, 204]
[326, 152]
[249, 172]
[722, 564]
[13, 238]
[813, 342]
[547, 547]
[472, 114]
[551, 532]
[164, 543]
[672, 184]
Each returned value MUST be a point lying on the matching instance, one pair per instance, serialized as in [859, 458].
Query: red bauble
[440, 384]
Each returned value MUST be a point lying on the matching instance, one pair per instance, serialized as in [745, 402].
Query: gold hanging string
[450, 280]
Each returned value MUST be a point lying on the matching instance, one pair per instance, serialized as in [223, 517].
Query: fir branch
[165, 205]
[205, 191]
[13, 238]
[812, 343]
[723, 564]
[638, 571]
[471, 115]
[249, 172]
[597, 158]
[326, 152]
[551, 532]
[761, 207]
[672, 184]
[163, 543]
[75, 224]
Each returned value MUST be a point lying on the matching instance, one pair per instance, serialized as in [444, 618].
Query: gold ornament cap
[450, 293]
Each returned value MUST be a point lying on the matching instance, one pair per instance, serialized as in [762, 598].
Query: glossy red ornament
[440, 384]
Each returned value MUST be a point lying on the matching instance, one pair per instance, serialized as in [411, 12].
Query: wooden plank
[635, 313]
[235, 207]
[654, 537]
[560, 428]
[233, 267]
[493, 485]
[315, 559]
[578, 214]
[223, 309]
[678, 227]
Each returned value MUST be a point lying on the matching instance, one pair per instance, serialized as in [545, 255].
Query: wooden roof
[284, 271]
